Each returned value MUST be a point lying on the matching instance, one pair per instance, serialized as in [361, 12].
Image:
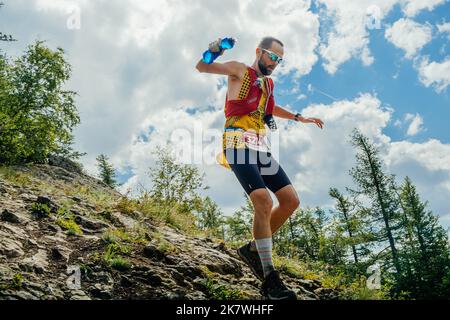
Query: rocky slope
[64, 235]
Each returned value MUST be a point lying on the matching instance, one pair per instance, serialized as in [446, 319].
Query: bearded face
[263, 67]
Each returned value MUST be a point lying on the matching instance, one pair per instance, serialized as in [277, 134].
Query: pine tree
[352, 221]
[425, 249]
[107, 173]
[376, 186]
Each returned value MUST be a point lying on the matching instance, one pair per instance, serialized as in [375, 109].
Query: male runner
[249, 107]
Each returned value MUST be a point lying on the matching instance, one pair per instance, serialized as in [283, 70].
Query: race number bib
[256, 142]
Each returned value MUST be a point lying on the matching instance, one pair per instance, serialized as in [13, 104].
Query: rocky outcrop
[59, 241]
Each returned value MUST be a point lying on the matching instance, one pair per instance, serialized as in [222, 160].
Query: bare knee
[291, 204]
[262, 202]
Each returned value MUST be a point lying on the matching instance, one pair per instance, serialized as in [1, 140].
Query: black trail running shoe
[251, 258]
[274, 289]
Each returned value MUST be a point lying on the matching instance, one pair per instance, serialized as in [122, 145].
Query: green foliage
[106, 171]
[216, 291]
[66, 221]
[118, 243]
[379, 188]
[424, 254]
[210, 219]
[36, 114]
[358, 290]
[174, 214]
[351, 223]
[86, 270]
[40, 210]
[17, 281]
[126, 205]
[175, 183]
[120, 264]
[14, 176]
[117, 236]
[239, 225]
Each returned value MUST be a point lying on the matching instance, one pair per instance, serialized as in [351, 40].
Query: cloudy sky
[380, 66]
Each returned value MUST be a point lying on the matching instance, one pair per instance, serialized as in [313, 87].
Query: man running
[249, 107]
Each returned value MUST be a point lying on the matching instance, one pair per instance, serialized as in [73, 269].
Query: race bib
[256, 142]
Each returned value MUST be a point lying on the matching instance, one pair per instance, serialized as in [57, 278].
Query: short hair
[266, 42]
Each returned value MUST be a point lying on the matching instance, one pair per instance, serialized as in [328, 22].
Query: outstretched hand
[317, 121]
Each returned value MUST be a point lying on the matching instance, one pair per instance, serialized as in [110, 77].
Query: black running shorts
[256, 170]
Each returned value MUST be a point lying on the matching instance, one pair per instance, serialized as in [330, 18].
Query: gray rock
[91, 224]
[65, 163]
[79, 295]
[60, 253]
[325, 293]
[154, 280]
[38, 263]
[11, 248]
[101, 292]
[77, 199]
[308, 284]
[9, 217]
[150, 251]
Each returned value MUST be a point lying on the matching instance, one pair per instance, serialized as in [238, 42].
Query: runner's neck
[256, 69]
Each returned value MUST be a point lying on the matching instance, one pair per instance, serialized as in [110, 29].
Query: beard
[263, 68]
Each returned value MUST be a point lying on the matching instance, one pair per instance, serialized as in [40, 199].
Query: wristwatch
[297, 117]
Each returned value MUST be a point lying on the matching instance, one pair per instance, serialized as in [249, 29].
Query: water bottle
[226, 43]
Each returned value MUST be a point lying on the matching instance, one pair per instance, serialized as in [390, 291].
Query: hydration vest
[250, 96]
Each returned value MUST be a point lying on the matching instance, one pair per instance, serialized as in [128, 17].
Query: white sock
[264, 247]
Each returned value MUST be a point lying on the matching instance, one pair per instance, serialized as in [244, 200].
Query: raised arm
[231, 68]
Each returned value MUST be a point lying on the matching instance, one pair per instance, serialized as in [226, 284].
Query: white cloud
[409, 36]
[435, 74]
[415, 126]
[428, 165]
[413, 7]
[349, 36]
[444, 28]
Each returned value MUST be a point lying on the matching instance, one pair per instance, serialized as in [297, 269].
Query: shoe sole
[249, 264]
[284, 298]
[268, 297]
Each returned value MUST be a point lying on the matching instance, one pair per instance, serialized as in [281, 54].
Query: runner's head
[269, 54]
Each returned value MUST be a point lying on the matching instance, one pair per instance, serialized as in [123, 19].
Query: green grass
[134, 236]
[120, 264]
[66, 221]
[112, 256]
[16, 283]
[15, 176]
[171, 214]
[40, 210]
[216, 291]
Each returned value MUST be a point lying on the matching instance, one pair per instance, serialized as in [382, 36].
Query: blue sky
[134, 70]
[405, 93]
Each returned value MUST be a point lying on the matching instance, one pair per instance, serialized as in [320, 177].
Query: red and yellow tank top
[244, 125]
